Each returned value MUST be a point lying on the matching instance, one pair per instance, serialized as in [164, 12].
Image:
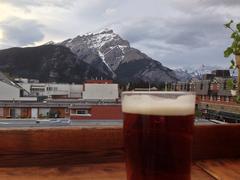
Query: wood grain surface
[97, 153]
[221, 168]
[101, 144]
[201, 170]
[102, 171]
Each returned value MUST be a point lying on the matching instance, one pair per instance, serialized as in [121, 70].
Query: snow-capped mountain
[94, 55]
[105, 44]
[199, 71]
[114, 55]
[183, 75]
[187, 73]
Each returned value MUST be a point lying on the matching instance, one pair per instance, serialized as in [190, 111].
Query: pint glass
[158, 129]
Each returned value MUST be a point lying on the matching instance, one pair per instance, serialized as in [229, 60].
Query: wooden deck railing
[216, 141]
[51, 146]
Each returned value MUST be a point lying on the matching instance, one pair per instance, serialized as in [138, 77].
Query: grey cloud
[197, 31]
[194, 32]
[4, 46]
[26, 3]
[196, 57]
[199, 39]
[220, 2]
[95, 10]
[226, 7]
[189, 38]
[137, 30]
[155, 46]
[21, 32]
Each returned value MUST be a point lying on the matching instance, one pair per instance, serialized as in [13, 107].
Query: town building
[94, 100]
[53, 90]
[212, 93]
[211, 88]
[100, 90]
[81, 110]
[10, 91]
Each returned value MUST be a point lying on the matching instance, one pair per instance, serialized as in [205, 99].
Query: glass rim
[159, 92]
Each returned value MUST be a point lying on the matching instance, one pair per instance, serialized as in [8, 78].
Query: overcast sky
[178, 33]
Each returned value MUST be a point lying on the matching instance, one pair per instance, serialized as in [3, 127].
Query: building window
[203, 97]
[227, 99]
[49, 88]
[1, 112]
[201, 86]
[37, 89]
[225, 85]
[81, 112]
[211, 98]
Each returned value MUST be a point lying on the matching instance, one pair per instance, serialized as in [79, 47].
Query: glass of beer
[158, 133]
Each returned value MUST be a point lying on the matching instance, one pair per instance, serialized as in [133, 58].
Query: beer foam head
[157, 104]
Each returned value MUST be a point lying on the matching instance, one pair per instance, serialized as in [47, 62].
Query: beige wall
[8, 92]
[100, 91]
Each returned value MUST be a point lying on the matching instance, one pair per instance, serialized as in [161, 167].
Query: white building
[53, 89]
[100, 91]
[9, 91]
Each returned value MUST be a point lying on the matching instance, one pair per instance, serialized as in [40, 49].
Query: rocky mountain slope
[48, 63]
[94, 55]
[111, 53]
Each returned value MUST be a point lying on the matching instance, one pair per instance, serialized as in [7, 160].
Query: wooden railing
[216, 141]
[51, 146]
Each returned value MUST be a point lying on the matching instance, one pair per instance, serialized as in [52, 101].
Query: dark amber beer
[158, 130]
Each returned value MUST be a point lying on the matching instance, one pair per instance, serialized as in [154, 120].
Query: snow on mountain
[94, 55]
[183, 74]
[104, 44]
[49, 43]
[204, 69]
[108, 50]
[187, 73]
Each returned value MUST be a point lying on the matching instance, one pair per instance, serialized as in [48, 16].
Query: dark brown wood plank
[58, 159]
[57, 146]
[216, 141]
[52, 140]
[33, 147]
[103, 171]
[106, 171]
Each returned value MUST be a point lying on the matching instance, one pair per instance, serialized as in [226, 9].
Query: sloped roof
[6, 80]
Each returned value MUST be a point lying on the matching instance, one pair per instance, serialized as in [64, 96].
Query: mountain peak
[49, 43]
[106, 31]
[100, 54]
[103, 44]
[110, 52]
[102, 31]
